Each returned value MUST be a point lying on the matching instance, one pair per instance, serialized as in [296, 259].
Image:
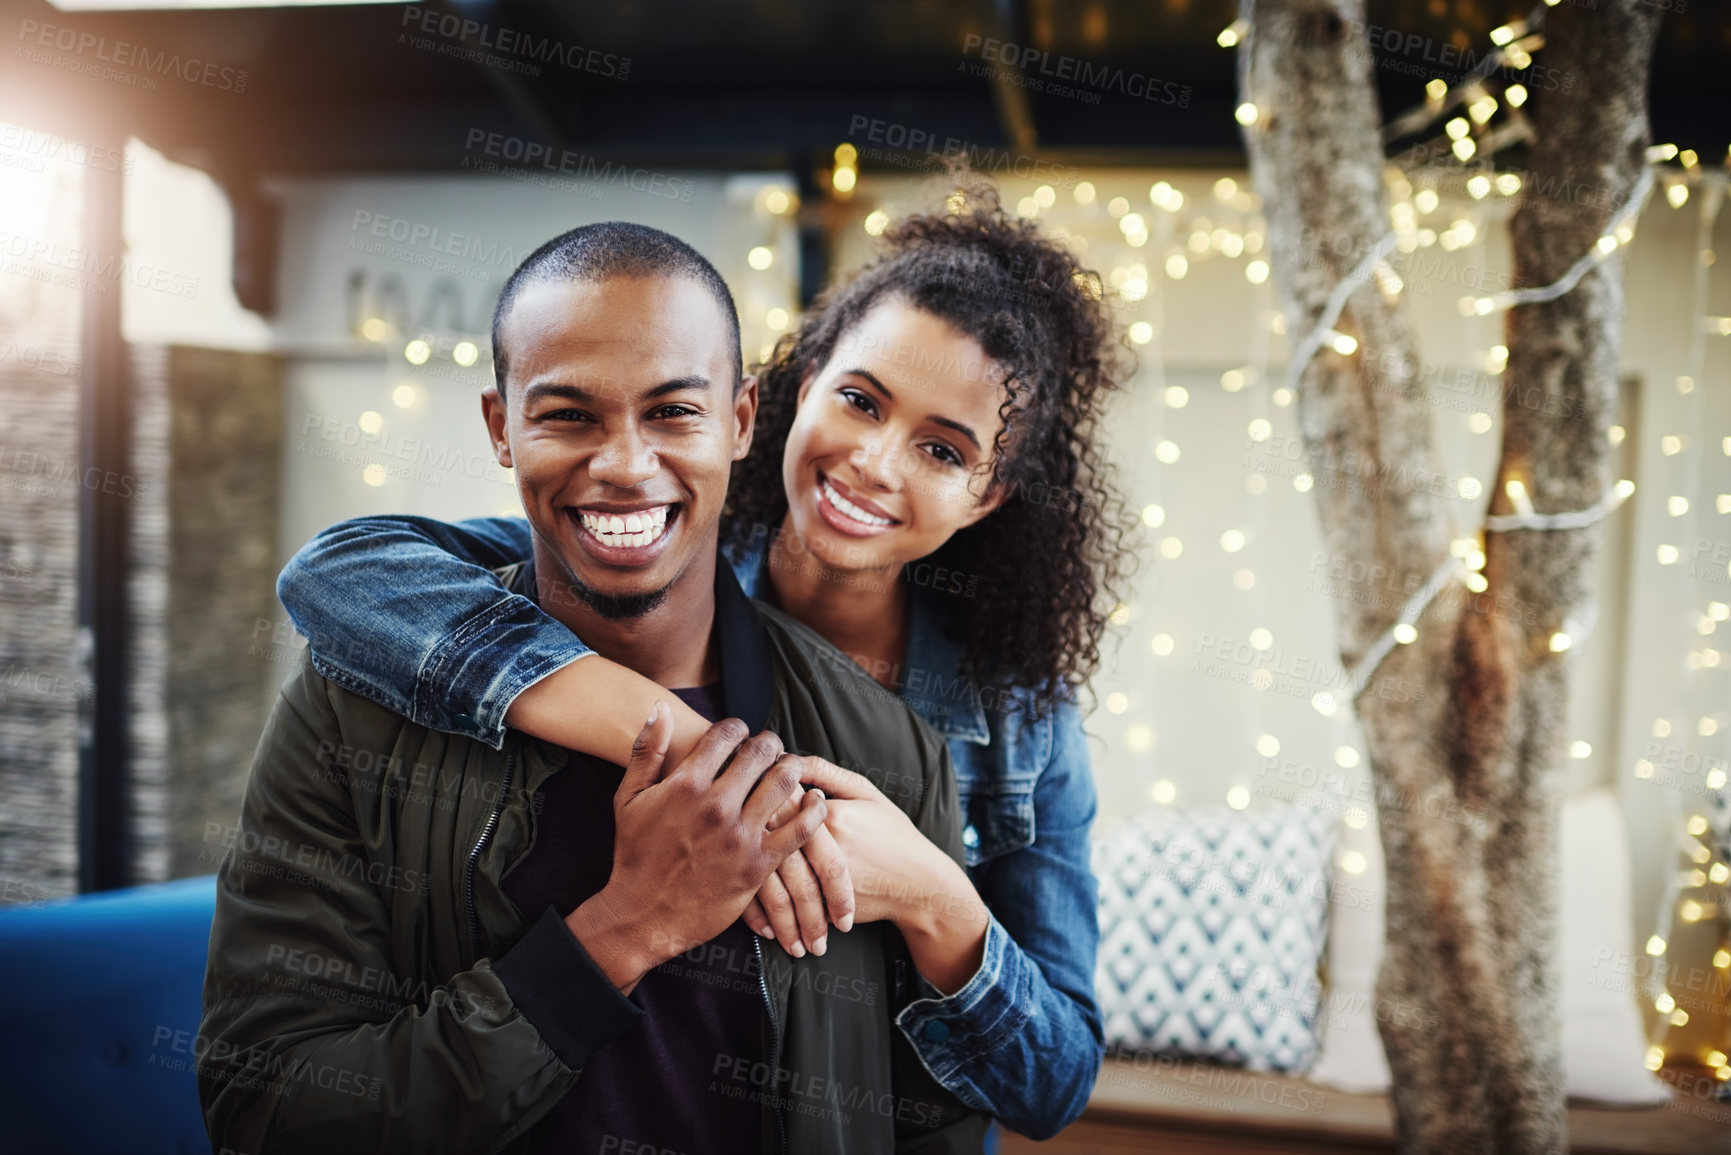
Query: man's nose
[625, 460]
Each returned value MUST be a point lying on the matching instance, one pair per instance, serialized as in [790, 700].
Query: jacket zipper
[475, 857]
[775, 1038]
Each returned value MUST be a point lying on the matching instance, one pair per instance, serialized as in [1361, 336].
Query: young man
[425, 944]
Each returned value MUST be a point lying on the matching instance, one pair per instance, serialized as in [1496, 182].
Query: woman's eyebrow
[946, 422]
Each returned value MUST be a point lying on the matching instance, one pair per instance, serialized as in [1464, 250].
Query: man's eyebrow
[584, 396]
[935, 420]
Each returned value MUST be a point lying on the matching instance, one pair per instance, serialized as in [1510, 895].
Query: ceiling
[730, 84]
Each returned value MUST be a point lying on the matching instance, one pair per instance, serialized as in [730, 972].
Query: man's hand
[692, 848]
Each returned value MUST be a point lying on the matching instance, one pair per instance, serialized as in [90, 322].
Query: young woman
[925, 493]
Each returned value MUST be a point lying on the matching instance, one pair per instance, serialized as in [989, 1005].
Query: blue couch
[99, 1009]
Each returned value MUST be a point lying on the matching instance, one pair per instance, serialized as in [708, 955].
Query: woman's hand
[897, 875]
[810, 890]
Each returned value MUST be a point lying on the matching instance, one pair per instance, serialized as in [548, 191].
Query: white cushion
[1604, 1044]
[1212, 924]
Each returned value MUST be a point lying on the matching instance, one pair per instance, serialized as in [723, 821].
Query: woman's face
[891, 450]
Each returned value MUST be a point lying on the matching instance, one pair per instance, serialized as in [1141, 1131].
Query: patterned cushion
[1212, 926]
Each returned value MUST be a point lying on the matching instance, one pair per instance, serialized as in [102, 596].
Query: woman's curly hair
[1047, 563]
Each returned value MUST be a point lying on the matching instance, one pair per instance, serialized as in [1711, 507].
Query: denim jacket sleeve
[1022, 1039]
[405, 611]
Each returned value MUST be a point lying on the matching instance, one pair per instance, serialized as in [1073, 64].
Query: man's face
[622, 426]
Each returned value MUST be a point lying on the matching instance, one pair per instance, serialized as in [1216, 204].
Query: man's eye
[675, 411]
[566, 415]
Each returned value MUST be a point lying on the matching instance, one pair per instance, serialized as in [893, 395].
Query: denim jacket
[448, 647]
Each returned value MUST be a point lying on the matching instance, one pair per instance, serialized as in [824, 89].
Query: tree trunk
[1465, 763]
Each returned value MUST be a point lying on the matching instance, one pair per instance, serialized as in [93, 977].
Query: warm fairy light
[1722, 958]
[1046, 195]
[1355, 818]
[1503, 35]
[776, 319]
[1352, 862]
[843, 180]
[1508, 183]
[846, 155]
[1457, 128]
[1141, 332]
[1426, 200]
[1238, 797]
[1436, 89]
[1477, 583]
[373, 329]
[1232, 380]
[417, 351]
[1243, 579]
[1260, 429]
[1177, 266]
[404, 396]
[1232, 540]
[465, 353]
[1256, 272]
[1267, 745]
[1153, 516]
[1515, 94]
[1225, 188]
[1677, 195]
[1261, 638]
[1580, 748]
[1342, 343]
[760, 258]
[777, 201]
[1323, 703]
[1679, 1017]
[1117, 703]
[1560, 642]
[1163, 645]
[1667, 555]
[1479, 186]
[1346, 757]
[1084, 193]
[1166, 452]
[1655, 946]
[373, 474]
[1665, 1003]
[1170, 548]
[1697, 825]
[1464, 149]
[1517, 492]
[1405, 634]
[1245, 114]
[1482, 109]
[1480, 423]
[1689, 910]
[1231, 34]
[371, 421]
[1164, 792]
[1027, 207]
[876, 222]
[1655, 1058]
[1303, 482]
[1676, 505]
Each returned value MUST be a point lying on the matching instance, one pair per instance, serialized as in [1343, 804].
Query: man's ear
[493, 409]
[744, 416]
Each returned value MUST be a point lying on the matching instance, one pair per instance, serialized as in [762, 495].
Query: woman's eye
[944, 453]
[860, 401]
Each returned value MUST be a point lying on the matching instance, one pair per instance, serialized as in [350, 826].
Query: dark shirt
[655, 1085]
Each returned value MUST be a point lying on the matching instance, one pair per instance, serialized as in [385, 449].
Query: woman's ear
[994, 497]
[493, 409]
[805, 383]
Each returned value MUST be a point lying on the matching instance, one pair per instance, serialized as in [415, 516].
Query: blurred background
[248, 257]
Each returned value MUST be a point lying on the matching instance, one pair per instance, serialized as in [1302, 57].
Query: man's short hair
[612, 249]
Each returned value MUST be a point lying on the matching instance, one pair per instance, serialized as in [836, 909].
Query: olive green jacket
[370, 987]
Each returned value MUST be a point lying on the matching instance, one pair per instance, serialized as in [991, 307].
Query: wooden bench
[1184, 1108]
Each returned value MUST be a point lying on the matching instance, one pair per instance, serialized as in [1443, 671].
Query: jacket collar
[742, 644]
[932, 682]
